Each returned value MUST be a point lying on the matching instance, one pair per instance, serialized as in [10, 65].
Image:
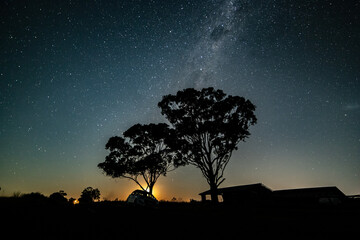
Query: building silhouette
[258, 194]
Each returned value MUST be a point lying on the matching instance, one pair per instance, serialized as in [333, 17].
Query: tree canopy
[59, 196]
[208, 125]
[144, 152]
[89, 195]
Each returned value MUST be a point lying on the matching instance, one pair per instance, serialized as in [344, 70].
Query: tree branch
[135, 180]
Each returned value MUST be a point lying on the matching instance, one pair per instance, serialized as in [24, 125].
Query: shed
[322, 195]
[241, 194]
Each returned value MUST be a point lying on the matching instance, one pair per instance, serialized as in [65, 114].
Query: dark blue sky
[74, 73]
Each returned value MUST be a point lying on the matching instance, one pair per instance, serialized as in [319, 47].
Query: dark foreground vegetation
[45, 219]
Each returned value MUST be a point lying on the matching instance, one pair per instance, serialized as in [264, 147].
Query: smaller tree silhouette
[143, 151]
[89, 195]
[59, 196]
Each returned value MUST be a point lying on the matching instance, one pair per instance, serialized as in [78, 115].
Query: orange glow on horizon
[155, 192]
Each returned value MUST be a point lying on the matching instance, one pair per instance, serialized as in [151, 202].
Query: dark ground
[43, 219]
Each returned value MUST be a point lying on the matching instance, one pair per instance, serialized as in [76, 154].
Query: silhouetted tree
[142, 152]
[209, 124]
[34, 197]
[89, 195]
[58, 197]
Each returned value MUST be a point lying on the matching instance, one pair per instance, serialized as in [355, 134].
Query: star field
[74, 73]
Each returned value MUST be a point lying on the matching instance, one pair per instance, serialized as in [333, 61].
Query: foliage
[208, 126]
[58, 197]
[89, 195]
[34, 197]
[143, 151]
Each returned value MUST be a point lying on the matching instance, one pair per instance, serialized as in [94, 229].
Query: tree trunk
[151, 186]
[214, 193]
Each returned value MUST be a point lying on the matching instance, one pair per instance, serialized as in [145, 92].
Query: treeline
[88, 195]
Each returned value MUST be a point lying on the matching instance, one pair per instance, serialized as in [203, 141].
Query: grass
[44, 219]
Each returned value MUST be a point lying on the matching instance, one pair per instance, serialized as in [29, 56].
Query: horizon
[73, 75]
[158, 194]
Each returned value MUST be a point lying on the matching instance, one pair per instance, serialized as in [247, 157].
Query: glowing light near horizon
[155, 192]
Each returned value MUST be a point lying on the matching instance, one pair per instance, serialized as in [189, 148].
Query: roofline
[306, 188]
[312, 188]
[225, 188]
[275, 191]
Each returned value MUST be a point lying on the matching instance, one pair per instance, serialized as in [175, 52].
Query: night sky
[74, 73]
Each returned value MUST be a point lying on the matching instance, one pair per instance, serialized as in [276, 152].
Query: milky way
[74, 74]
[218, 32]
